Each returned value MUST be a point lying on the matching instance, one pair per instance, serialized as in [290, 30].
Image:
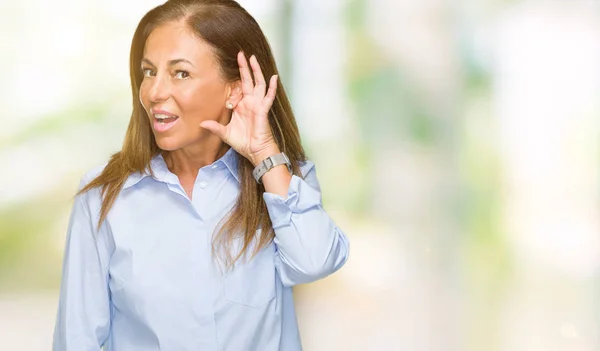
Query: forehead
[174, 40]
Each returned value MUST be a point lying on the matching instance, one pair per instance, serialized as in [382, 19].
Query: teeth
[161, 116]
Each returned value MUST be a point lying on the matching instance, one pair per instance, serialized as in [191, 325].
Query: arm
[309, 245]
[83, 318]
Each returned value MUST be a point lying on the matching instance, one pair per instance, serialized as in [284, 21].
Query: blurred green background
[456, 144]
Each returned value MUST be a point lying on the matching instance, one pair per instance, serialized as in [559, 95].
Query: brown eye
[147, 72]
[182, 74]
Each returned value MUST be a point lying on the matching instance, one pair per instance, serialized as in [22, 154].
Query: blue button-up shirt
[146, 279]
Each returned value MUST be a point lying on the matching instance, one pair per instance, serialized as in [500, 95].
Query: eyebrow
[171, 63]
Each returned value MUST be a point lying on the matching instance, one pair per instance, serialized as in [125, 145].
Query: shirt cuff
[300, 198]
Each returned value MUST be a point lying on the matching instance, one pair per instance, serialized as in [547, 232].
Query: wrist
[271, 162]
[258, 157]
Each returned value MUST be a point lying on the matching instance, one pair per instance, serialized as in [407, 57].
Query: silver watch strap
[268, 163]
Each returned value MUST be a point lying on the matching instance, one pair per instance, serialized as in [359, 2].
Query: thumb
[215, 127]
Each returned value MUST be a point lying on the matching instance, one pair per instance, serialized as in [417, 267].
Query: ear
[235, 93]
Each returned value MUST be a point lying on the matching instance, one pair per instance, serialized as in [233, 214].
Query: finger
[260, 86]
[215, 127]
[247, 84]
[268, 101]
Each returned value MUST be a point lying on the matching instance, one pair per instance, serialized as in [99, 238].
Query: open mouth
[164, 122]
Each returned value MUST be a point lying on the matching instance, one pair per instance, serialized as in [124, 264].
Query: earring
[229, 105]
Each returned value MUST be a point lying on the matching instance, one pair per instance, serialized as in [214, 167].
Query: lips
[163, 120]
[162, 123]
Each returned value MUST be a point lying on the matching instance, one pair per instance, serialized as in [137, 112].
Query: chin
[168, 144]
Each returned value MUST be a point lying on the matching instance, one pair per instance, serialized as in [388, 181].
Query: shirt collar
[161, 171]
[231, 161]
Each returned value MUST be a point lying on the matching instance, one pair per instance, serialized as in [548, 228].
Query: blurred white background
[457, 144]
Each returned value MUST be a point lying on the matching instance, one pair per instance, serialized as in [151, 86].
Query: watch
[268, 163]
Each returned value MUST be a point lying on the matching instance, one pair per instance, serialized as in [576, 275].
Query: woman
[192, 236]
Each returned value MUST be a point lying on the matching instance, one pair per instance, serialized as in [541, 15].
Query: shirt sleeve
[309, 244]
[83, 318]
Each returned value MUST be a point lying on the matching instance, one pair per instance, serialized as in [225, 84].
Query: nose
[159, 89]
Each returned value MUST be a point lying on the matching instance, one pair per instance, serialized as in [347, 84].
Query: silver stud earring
[229, 105]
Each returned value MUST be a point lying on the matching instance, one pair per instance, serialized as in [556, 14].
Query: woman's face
[182, 87]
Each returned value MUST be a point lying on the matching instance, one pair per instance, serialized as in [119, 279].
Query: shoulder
[309, 174]
[92, 197]
[306, 166]
[87, 204]
[90, 175]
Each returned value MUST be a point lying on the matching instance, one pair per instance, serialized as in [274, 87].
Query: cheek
[202, 104]
[210, 100]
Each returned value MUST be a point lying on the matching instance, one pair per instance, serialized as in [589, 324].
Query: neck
[186, 162]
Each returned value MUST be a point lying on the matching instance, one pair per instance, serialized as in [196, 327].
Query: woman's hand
[248, 131]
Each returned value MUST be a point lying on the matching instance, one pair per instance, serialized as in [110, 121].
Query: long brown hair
[227, 28]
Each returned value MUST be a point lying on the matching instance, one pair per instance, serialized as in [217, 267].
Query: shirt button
[215, 166]
[203, 184]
